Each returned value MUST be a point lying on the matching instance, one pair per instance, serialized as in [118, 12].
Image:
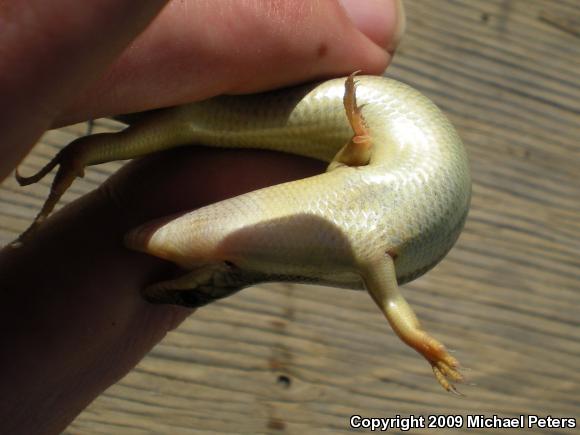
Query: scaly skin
[390, 206]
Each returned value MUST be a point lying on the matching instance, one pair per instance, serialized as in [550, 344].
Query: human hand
[73, 320]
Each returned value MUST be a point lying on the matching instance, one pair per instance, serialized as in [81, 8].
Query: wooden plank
[297, 359]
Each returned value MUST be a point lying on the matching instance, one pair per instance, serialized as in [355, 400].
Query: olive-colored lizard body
[390, 206]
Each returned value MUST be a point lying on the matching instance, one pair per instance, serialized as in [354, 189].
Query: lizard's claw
[445, 367]
[446, 372]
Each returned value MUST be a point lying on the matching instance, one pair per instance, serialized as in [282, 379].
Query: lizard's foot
[197, 288]
[353, 110]
[445, 367]
[357, 152]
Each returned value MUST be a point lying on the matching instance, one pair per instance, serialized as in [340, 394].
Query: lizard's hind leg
[357, 152]
[380, 280]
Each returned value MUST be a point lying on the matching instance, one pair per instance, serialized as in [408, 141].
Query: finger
[50, 52]
[73, 285]
[198, 49]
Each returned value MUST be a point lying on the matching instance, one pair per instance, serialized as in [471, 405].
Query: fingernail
[383, 21]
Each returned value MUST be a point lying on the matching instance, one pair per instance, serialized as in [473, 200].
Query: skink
[390, 206]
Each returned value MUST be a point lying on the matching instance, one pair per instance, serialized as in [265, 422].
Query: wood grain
[297, 359]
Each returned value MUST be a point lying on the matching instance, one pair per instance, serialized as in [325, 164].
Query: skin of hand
[73, 321]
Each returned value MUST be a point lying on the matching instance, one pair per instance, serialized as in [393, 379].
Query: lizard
[391, 204]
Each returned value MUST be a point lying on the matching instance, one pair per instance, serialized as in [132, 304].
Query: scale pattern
[411, 200]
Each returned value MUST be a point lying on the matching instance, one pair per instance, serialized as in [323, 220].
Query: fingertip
[400, 26]
[382, 21]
